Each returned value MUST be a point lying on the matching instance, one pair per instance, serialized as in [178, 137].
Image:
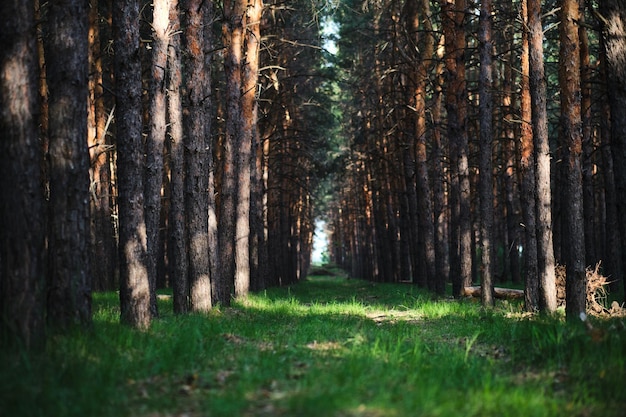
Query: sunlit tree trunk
[22, 230]
[134, 282]
[197, 81]
[569, 82]
[545, 248]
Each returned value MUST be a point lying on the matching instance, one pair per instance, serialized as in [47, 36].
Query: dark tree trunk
[614, 35]
[612, 263]
[545, 250]
[134, 282]
[485, 184]
[456, 104]
[197, 13]
[22, 230]
[155, 141]
[67, 48]
[569, 82]
[232, 32]
[177, 231]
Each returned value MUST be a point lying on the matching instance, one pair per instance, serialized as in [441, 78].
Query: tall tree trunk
[102, 232]
[528, 185]
[155, 141]
[229, 214]
[244, 162]
[456, 104]
[22, 230]
[196, 14]
[250, 110]
[612, 265]
[587, 140]
[485, 184]
[545, 249]
[134, 282]
[614, 35]
[67, 48]
[177, 229]
[569, 82]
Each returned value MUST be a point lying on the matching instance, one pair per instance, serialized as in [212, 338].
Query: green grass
[328, 346]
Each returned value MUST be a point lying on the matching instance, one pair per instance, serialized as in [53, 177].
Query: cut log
[499, 292]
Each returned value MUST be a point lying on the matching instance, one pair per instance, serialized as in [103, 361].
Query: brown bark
[197, 13]
[66, 47]
[232, 32]
[134, 284]
[498, 292]
[569, 83]
[545, 249]
[528, 184]
[485, 184]
[22, 231]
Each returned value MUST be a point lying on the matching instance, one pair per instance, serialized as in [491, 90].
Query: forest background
[192, 144]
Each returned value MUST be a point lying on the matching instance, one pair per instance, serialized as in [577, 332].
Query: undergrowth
[328, 346]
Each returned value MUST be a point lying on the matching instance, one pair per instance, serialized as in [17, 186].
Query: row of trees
[152, 144]
[486, 142]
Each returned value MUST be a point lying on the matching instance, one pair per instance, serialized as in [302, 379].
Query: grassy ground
[328, 346]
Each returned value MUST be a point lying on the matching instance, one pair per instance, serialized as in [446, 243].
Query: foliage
[326, 346]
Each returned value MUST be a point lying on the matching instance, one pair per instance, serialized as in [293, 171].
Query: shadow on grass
[327, 346]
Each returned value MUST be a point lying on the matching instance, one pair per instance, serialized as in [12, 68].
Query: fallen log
[499, 292]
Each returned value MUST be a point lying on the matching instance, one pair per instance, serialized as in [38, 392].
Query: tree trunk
[197, 13]
[103, 249]
[155, 141]
[460, 225]
[612, 265]
[134, 282]
[614, 35]
[485, 184]
[229, 214]
[569, 82]
[248, 135]
[177, 229]
[545, 250]
[528, 185]
[22, 230]
[66, 47]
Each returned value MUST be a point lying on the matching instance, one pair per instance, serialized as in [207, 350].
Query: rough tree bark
[197, 13]
[485, 185]
[22, 231]
[134, 285]
[155, 141]
[66, 49]
[545, 248]
[176, 229]
[571, 125]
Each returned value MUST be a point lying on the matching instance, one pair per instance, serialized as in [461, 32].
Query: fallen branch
[499, 292]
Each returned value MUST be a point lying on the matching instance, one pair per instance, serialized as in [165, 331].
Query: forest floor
[328, 346]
